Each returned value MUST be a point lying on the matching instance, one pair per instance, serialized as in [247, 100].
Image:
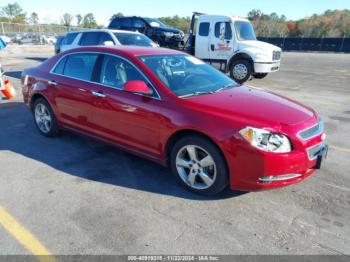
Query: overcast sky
[50, 11]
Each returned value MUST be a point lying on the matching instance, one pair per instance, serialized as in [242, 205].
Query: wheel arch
[38, 95]
[189, 132]
[35, 97]
[238, 56]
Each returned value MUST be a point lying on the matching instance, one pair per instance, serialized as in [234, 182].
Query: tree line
[332, 23]
[14, 13]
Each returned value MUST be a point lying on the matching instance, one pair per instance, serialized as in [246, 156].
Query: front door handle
[212, 47]
[52, 83]
[99, 94]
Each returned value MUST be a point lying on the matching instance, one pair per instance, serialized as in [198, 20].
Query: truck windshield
[134, 39]
[187, 76]
[245, 31]
[155, 23]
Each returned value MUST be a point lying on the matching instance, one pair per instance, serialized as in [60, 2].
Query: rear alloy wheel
[44, 118]
[199, 165]
[241, 70]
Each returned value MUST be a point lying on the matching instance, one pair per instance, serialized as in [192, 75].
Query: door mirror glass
[138, 86]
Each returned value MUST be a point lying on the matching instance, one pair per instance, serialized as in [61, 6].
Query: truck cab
[229, 43]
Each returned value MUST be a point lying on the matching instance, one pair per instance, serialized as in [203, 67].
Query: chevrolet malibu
[172, 108]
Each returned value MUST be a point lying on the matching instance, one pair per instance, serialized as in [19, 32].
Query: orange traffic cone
[9, 92]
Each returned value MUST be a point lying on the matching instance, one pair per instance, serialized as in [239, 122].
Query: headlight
[261, 56]
[267, 141]
[168, 34]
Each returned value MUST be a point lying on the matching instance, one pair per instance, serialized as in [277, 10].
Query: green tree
[89, 21]
[67, 19]
[14, 13]
[79, 19]
[182, 23]
[34, 18]
[119, 14]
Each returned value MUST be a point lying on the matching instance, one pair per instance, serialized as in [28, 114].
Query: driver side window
[223, 30]
[115, 72]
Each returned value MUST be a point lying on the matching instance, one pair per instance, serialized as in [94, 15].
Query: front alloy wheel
[199, 165]
[196, 167]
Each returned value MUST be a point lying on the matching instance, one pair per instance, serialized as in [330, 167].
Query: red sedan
[174, 109]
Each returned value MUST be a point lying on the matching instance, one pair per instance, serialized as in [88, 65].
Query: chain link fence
[33, 34]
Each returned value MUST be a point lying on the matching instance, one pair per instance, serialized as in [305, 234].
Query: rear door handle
[212, 47]
[99, 94]
[52, 82]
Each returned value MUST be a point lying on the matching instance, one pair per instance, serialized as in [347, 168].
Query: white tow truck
[229, 43]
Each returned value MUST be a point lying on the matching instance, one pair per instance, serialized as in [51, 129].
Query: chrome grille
[314, 152]
[276, 55]
[312, 131]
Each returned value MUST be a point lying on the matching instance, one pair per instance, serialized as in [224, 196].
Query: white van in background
[104, 37]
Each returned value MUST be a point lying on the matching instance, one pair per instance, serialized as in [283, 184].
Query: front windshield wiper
[198, 93]
[225, 87]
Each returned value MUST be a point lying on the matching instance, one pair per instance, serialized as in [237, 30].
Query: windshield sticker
[194, 60]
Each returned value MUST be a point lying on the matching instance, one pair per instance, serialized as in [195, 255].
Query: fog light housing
[269, 179]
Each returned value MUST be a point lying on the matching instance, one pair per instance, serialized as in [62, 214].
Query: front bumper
[260, 67]
[258, 170]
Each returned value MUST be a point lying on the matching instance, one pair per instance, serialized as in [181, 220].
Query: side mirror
[138, 86]
[108, 43]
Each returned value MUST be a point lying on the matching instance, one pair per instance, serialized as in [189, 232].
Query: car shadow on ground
[88, 159]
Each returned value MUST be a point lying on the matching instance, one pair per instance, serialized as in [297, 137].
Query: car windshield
[187, 76]
[155, 23]
[134, 39]
[245, 31]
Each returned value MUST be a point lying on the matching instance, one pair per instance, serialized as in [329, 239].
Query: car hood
[170, 30]
[258, 45]
[260, 107]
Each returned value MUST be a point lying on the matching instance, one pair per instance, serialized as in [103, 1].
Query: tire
[241, 70]
[44, 118]
[208, 177]
[260, 75]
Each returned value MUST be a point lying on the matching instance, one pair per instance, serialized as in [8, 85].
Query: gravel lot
[78, 196]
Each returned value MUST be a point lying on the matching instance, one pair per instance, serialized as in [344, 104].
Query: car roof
[127, 50]
[104, 30]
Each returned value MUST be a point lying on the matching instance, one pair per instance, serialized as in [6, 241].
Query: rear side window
[89, 39]
[60, 67]
[80, 66]
[105, 37]
[69, 38]
[115, 24]
[223, 32]
[204, 29]
[126, 22]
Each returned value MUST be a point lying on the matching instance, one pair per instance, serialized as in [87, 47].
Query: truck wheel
[260, 76]
[199, 165]
[241, 70]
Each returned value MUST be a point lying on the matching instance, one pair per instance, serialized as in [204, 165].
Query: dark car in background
[58, 43]
[159, 32]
